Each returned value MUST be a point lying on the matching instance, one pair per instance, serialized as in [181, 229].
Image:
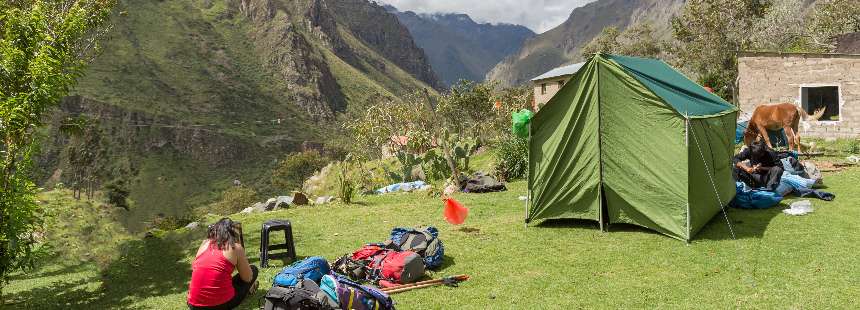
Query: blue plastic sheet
[777, 137]
[402, 187]
[748, 198]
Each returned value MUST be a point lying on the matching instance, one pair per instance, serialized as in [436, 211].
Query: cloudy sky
[538, 15]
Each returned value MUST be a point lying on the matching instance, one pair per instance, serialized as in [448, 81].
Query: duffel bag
[311, 268]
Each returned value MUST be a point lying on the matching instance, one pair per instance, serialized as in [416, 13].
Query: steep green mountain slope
[460, 48]
[189, 95]
[562, 44]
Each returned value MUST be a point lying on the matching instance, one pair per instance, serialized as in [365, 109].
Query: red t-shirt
[211, 279]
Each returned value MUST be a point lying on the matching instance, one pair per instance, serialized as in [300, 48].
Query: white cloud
[538, 15]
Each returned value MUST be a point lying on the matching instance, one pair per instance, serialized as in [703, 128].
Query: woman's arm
[242, 264]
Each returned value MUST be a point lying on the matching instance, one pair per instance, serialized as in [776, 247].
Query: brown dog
[777, 116]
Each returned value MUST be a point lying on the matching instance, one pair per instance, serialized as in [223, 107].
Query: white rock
[323, 200]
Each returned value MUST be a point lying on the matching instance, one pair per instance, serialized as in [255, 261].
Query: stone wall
[552, 87]
[775, 78]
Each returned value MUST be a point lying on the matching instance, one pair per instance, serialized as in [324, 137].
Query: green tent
[631, 140]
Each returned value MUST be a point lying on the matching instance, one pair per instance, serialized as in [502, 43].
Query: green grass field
[777, 261]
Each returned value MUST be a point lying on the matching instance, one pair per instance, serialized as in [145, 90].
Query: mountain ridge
[562, 44]
[188, 96]
[457, 46]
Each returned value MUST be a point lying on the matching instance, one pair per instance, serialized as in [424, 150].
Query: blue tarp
[403, 187]
[777, 137]
[748, 198]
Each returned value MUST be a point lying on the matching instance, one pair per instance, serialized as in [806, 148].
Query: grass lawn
[778, 261]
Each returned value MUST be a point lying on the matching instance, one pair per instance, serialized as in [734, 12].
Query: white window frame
[840, 100]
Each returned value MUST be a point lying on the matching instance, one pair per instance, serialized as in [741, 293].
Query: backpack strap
[351, 298]
[375, 273]
[408, 241]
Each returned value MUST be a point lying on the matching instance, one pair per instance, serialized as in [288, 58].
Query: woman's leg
[241, 288]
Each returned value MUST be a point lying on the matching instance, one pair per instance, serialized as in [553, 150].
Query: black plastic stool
[276, 225]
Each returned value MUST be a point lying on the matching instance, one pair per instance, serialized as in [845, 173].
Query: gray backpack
[304, 296]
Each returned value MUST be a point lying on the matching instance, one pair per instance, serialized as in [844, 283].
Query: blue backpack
[746, 198]
[424, 241]
[311, 268]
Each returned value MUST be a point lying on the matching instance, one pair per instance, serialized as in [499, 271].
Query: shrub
[363, 176]
[434, 165]
[169, 222]
[346, 184]
[232, 200]
[117, 194]
[512, 158]
[296, 168]
[852, 146]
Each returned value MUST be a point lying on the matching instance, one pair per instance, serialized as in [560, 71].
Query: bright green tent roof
[685, 96]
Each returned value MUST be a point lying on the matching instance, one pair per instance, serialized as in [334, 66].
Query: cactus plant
[407, 161]
[434, 165]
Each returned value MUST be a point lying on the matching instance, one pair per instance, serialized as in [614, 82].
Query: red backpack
[373, 262]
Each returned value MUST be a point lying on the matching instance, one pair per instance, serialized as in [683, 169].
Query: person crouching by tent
[758, 166]
[213, 285]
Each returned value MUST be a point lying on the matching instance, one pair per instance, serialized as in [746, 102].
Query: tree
[605, 42]
[85, 154]
[117, 194]
[640, 40]
[411, 117]
[44, 47]
[831, 18]
[507, 101]
[637, 40]
[296, 168]
[781, 28]
[709, 34]
[466, 108]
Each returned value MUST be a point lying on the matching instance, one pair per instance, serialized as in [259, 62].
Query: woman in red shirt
[213, 285]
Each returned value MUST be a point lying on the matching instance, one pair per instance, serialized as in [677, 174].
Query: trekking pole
[457, 278]
[450, 281]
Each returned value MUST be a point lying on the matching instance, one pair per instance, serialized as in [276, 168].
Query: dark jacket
[768, 159]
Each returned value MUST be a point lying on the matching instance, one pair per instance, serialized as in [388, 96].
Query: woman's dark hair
[223, 234]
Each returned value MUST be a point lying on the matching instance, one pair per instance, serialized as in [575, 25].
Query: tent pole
[600, 149]
[687, 143]
[528, 175]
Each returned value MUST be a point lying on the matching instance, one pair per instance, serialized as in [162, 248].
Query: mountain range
[458, 47]
[189, 95]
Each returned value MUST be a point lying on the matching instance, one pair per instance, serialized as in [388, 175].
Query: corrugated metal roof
[560, 71]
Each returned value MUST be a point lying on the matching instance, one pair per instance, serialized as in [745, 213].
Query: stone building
[549, 83]
[813, 81]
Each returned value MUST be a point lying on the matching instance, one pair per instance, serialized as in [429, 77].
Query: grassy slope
[357, 85]
[778, 261]
[193, 63]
